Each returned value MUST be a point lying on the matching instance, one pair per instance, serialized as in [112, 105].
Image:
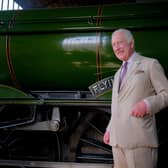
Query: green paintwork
[10, 92]
[10, 95]
[56, 49]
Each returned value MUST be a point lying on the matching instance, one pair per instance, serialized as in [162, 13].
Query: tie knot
[125, 64]
[122, 73]
[124, 67]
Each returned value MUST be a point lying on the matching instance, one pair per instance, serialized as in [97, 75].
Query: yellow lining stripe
[98, 47]
[8, 56]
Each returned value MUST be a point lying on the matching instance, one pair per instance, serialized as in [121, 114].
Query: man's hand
[139, 110]
[106, 137]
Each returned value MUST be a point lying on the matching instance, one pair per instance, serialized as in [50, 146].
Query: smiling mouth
[119, 52]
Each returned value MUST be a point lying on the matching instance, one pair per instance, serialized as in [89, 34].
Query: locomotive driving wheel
[86, 143]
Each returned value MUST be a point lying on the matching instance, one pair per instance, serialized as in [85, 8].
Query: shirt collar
[131, 58]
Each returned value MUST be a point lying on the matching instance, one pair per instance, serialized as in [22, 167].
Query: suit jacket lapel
[117, 78]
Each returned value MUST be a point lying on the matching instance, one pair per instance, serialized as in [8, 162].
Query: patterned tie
[122, 74]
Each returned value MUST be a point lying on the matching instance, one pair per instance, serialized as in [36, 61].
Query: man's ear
[132, 43]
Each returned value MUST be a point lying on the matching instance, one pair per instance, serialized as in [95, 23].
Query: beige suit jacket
[145, 79]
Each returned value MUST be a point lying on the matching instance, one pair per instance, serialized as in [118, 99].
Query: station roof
[29, 4]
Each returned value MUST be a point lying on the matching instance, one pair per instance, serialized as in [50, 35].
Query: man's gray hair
[127, 33]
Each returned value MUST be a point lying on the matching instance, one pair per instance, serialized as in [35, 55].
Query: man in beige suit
[142, 93]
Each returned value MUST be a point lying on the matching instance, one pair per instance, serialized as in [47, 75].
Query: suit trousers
[135, 158]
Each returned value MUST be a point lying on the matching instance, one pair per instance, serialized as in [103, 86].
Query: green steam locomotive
[56, 77]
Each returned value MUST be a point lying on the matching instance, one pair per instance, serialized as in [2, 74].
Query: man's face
[121, 47]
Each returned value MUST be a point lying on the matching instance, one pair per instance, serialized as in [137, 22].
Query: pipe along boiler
[56, 77]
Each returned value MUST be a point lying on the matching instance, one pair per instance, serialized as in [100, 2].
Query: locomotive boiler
[56, 77]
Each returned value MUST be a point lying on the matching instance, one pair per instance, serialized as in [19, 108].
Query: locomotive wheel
[87, 140]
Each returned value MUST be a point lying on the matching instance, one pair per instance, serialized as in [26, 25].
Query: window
[9, 5]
